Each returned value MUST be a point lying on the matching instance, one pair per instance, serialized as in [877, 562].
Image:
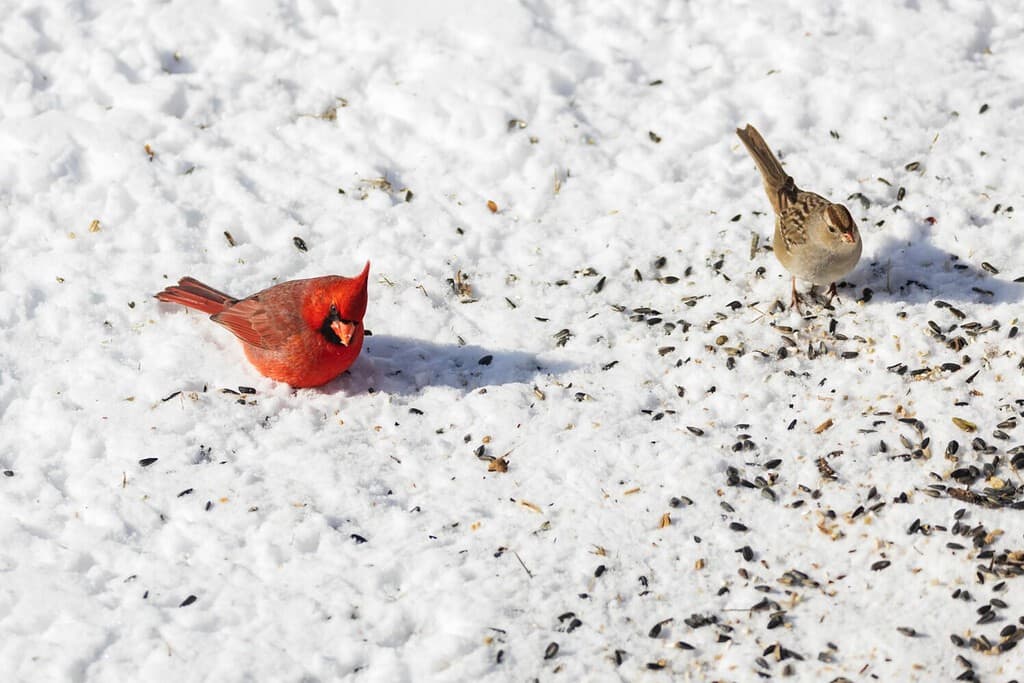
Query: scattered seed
[146, 462]
[656, 629]
[965, 425]
[188, 601]
[300, 243]
[825, 469]
[864, 201]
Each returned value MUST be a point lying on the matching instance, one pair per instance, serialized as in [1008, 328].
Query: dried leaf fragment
[531, 506]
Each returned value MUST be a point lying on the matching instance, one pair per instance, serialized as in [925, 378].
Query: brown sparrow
[815, 239]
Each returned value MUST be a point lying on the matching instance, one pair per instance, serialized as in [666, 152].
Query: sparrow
[815, 239]
[302, 332]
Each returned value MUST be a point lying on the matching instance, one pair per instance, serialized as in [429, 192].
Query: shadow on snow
[915, 271]
[402, 365]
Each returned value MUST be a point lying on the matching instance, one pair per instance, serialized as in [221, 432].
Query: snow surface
[364, 531]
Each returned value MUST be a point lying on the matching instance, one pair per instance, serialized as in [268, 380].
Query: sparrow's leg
[832, 294]
[795, 301]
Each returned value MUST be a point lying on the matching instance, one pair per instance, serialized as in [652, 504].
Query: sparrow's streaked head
[840, 224]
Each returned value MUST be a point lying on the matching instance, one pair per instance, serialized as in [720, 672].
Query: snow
[364, 531]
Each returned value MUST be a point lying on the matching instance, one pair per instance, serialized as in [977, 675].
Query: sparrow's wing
[794, 218]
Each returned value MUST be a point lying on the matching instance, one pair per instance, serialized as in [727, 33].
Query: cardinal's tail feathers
[194, 294]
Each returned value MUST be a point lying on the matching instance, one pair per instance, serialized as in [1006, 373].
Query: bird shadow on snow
[913, 270]
[402, 365]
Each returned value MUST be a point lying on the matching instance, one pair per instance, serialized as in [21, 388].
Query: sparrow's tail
[194, 294]
[776, 180]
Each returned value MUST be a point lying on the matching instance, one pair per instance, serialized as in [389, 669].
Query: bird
[301, 332]
[815, 239]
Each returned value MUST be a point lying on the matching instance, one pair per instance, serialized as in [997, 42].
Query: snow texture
[584, 441]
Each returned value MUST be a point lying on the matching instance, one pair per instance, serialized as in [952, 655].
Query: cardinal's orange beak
[345, 331]
[847, 237]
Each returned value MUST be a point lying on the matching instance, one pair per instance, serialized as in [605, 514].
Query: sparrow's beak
[345, 330]
[847, 237]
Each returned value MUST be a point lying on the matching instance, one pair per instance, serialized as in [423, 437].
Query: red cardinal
[303, 332]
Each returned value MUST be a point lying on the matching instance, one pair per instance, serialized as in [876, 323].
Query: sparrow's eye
[831, 228]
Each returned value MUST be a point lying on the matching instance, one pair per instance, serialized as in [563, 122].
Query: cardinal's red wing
[249, 321]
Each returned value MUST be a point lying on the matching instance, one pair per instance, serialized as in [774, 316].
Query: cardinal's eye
[334, 310]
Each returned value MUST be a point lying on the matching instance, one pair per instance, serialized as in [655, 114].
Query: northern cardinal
[303, 332]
